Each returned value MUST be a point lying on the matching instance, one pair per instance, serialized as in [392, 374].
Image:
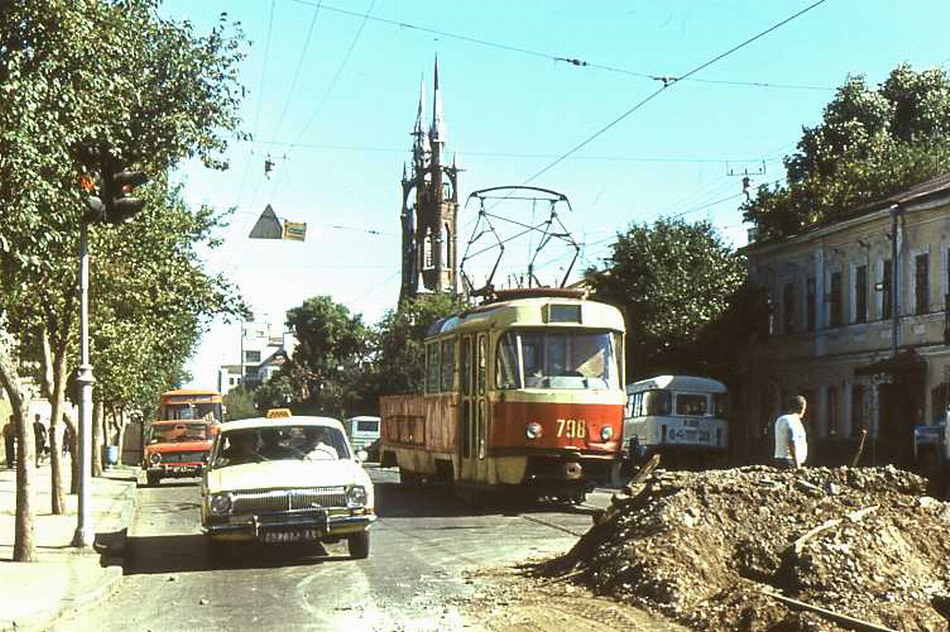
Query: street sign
[296, 231]
[267, 226]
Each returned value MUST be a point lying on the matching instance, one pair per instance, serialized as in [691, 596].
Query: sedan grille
[287, 500]
[183, 457]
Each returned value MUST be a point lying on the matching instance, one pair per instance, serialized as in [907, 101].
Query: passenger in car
[320, 447]
[241, 449]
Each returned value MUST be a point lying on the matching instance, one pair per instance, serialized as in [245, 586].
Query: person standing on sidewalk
[9, 441]
[791, 444]
[39, 433]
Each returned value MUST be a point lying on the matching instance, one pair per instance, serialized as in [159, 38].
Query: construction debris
[758, 549]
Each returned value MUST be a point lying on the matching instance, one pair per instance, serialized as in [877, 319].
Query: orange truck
[179, 441]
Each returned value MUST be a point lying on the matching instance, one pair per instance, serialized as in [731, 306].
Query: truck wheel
[358, 545]
[153, 479]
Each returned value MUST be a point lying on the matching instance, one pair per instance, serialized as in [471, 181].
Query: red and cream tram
[522, 393]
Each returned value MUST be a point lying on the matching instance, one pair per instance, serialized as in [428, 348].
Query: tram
[682, 417]
[523, 393]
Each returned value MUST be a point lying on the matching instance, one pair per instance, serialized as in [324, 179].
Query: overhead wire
[557, 58]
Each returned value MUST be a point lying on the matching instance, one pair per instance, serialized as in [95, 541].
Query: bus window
[657, 403]
[720, 405]
[690, 404]
[432, 368]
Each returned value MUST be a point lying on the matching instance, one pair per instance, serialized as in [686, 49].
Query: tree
[325, 373]
[671, 280]
[77, 70]
[239, 404]
[870, 144]
[399, 365]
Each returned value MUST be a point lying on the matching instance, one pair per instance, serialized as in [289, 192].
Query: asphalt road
[425, 547]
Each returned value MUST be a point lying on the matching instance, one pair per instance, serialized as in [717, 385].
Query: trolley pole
[85, 533]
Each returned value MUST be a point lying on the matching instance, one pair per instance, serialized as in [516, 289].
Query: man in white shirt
[791, 444]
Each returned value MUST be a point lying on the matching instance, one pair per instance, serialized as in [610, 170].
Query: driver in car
[320, 445]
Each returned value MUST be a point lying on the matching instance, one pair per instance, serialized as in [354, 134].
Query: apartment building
[858, 324]
[264, 347]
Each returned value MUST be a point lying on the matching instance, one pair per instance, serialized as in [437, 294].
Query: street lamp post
[85, 533]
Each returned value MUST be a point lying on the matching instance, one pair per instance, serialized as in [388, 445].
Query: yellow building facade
[858, 325]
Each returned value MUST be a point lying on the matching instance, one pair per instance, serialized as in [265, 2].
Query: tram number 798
[572, 428]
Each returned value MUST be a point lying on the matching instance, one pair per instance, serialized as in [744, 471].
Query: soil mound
[726, 549]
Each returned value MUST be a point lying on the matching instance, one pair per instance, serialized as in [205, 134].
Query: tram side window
[448, 366]
[691, 404]
[657, 402]
[635, 405]
[432, 368]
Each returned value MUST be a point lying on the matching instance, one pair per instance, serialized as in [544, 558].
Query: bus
[522, 393]
[682, 417]
[191, 404]
[178, 443]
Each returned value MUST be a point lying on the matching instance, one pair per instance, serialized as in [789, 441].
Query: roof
[678, 383]
[263, 422]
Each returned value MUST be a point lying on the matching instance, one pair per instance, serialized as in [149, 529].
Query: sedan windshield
[280, 443]
[558, 359]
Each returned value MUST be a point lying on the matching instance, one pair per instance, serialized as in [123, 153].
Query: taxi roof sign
[278, 413]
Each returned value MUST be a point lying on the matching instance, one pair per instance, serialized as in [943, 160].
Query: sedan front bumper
[309, 524]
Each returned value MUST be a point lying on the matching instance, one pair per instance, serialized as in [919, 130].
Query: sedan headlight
[155, 458]
[220, 504]
[356, 496]
[533, 430]
[606, 433]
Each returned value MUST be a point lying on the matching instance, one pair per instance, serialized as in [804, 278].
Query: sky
[331, 98]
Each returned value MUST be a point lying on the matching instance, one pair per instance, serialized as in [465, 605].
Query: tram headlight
[606, 433]
[533, 430]
[155, 458]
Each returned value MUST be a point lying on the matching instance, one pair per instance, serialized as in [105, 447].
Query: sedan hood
[286, 474]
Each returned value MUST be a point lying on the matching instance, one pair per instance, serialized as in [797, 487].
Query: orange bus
[525, 393]
[179, 441]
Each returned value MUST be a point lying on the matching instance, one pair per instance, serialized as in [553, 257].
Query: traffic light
[109, 185]
[120, 205]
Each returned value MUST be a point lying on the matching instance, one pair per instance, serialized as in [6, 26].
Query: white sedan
[288, 479]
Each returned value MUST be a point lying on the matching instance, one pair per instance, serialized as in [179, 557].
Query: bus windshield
[563, 359]
[203, 411]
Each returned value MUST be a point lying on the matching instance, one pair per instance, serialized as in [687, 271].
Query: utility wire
[303, 54]
[672, 82]
[666, 80]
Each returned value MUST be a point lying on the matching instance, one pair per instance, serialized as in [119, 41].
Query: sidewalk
[34, 595]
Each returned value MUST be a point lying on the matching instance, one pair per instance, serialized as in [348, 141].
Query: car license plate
[301, 535]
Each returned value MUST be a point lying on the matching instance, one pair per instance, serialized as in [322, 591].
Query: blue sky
[331, 97]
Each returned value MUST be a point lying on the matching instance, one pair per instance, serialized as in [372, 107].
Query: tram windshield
[566, 359]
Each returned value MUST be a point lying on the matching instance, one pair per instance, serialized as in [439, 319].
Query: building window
[858, 422]
[252, 356]
[922, 286]
[810, 304]
[834, 313]
[427, 255]
[832, 411]
[887, 299]
[788, 305]
[861, 294]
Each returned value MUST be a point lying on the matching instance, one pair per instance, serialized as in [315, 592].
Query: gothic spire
[437, 131]
[420, 146]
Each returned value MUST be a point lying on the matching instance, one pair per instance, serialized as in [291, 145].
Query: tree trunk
[54, 383]
[120, 441]
[24, 542]
[98, 421]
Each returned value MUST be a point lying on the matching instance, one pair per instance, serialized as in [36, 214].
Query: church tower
[429, 207]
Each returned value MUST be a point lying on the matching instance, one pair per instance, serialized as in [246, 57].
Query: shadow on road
[395, 500]
[185, 553]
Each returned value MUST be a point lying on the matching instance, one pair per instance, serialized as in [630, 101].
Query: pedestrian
[39, 434]
[791, 444]
[9, 441]
[67, 440]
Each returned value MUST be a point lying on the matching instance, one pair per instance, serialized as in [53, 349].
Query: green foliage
[671, 280]
[156, 93]
[326, 373]
[871, 143]
[239, 404]
[399, 366]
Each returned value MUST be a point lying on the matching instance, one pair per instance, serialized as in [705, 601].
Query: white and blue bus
[681, 417]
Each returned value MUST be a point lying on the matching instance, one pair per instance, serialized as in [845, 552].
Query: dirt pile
[711, 549]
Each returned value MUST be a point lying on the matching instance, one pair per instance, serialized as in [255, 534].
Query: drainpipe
[897, 246]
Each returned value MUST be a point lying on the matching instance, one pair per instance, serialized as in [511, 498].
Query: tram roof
[677, 383]
[528, 312]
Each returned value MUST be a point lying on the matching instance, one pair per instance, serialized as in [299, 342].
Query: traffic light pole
[85, 533]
